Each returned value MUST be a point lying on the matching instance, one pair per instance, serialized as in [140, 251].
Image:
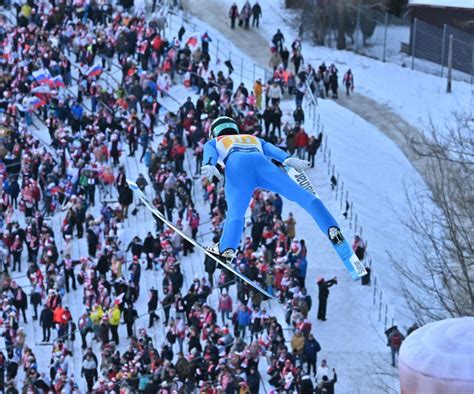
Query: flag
[193, 40]
[35, 103]
[94, 70]
[58, 81]
[42, 76]
[41, 89]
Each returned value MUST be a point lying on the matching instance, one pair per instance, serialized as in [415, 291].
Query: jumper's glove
[298, 164]
[210, 171]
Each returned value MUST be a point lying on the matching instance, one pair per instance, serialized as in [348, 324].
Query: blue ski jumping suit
[248, 167]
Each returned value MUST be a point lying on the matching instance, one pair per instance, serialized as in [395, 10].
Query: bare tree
[441, 219]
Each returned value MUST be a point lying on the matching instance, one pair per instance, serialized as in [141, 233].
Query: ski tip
[132, 185]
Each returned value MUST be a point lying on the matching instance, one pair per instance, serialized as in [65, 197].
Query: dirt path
[251, 42]
[215, 14]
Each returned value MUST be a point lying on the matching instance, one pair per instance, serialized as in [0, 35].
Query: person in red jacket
[301, 141]
[225, 305]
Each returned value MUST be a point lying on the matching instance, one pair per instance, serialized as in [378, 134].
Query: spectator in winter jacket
[253, 380]
[152, 305]
[275, 60]
[225, 306]
[297, 345]
[301, 142]
[300, 91]
[243, 320]
[306, 385]
[136, 247]
[323, 370]
[256, 14]
[278, 39]
[311, 349]
[258, 90]
[245, 14]
[333, 83]
[276, 120]
[323, 295]
[274, 93]
[46, 323]
[297, 60]
[285, 56]
[89, 371]
[298, 115]
[326, 386]
[348, 81]
[395, 339]
[14, 191]
[84, 325]
[312, 148]
[125, 199]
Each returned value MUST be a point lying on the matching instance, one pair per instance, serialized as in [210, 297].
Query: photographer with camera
[323, 295]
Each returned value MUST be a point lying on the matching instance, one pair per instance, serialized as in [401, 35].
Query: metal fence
[416, 44]
[385, 37]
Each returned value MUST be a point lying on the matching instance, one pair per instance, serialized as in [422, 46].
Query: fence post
[450, 63]
[375, 289]
[350, 218]
[337, 185]
[329, 162]
[413, 44]
[241, 69]
[380, 306]
[217, 51]
[342, 194]
[357, 28]
[385, 37]
[253, 72]
[355, 223]
[386, 311]
[443, 48]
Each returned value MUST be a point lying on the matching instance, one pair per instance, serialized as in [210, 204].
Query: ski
[342, 247]
[144, 199]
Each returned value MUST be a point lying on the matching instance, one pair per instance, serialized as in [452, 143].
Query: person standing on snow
[245, 13]
[395, 339]
[256, 14]
[247, 167]
[233, 15]
[348, 81]
[323, 295]
[278, 40]
[333, 80]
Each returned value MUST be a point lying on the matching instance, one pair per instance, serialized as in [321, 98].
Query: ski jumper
[247, 167]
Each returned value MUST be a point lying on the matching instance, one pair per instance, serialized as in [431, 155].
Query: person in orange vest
[258, 90]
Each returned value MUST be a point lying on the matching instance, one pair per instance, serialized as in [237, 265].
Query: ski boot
[225, 257]
[345, 252]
